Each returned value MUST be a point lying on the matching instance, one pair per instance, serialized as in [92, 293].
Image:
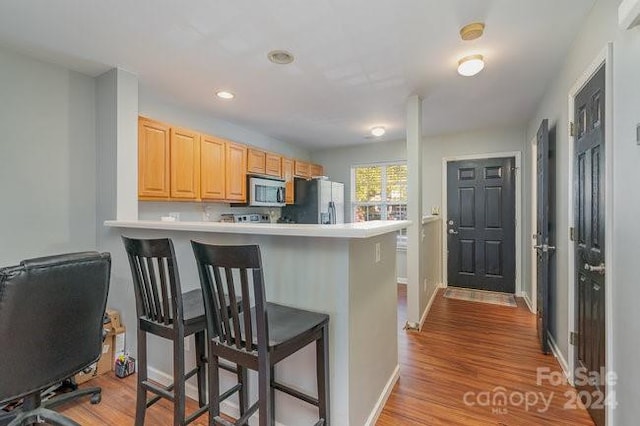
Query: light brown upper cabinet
[185, 164]
[287, 175]
[316, 170]
[212, 168]
[273, 165]
[256, 161]
[153, 159]
[236, 172]
[301, 169]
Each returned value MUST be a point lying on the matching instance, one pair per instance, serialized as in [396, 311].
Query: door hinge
[572, 130]
[572, 233]
[573, 338]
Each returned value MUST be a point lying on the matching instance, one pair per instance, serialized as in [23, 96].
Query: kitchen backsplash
[195, 212]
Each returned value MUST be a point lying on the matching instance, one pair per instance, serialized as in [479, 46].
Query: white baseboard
[561, 359]
[423, 318]
[402, 280]
[382, 400]
[528, 301]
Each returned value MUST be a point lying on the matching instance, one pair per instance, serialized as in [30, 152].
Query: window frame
[383, 203]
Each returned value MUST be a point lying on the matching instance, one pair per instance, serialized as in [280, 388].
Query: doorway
[481, 205]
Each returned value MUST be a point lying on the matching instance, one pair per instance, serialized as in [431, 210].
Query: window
[379, 192]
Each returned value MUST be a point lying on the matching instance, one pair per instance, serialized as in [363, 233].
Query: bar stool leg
[200, 363]
[243, 393]
[322, 371]
[141, 396]
[264, 391]
[272, 395]
[178, 380]
[214, 387]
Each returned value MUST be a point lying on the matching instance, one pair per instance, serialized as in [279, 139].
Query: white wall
[47, 151]
[600, 28]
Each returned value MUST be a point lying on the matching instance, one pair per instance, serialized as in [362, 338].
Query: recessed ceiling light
[223, 94]
[472, 31]
[470, 65]
[378, 131]
[280, 57]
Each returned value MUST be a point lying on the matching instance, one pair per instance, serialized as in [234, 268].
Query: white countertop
[345, 230]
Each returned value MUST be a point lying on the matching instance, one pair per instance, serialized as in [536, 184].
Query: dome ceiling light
[470, 65]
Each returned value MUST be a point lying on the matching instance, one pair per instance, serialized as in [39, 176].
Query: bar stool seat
[259, 336]
[287, 324]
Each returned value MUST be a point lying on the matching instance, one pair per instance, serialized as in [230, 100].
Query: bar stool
[257, 337]
[163, 310]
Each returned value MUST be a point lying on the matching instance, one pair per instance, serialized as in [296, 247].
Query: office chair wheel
[95, 399]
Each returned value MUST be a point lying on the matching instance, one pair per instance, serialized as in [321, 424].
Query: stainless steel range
[245, 218]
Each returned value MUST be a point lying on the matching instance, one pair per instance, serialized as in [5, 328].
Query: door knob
[599, 269]
[453, 232]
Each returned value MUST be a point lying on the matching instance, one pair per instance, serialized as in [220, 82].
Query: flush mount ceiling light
[472, 31]
[470, 65]
[378, 131]
[280, 57]
[223, 94]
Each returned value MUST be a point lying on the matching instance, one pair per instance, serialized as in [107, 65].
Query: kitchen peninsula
[347, 271]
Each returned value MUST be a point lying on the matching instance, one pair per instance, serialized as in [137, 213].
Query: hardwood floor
[475, 349]
[463, 347]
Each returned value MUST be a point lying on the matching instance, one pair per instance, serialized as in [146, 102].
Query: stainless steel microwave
[266, 192]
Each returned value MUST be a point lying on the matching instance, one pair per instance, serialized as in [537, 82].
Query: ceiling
[356, 61]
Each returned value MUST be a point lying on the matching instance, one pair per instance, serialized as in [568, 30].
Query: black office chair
[51, 312]
[259, 336]
[163, 310]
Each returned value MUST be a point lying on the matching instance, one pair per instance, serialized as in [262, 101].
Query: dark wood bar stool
[163, 310]
[259, 336]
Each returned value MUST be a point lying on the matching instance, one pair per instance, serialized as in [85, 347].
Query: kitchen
[197, 186]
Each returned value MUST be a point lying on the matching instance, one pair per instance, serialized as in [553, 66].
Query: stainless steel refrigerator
[316, 201]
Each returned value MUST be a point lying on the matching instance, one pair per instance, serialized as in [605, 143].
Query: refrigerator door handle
[332, 212]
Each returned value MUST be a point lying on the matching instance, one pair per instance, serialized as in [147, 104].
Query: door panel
[542, 235]
[481, 224]
[589, 221]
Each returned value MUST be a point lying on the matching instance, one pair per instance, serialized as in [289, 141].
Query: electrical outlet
[377, 252]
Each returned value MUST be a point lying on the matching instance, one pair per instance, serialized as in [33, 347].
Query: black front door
[481, 224]
[589, 199]
[543, 246]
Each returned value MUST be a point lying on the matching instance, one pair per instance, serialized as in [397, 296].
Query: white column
[414, 206]
[117, 146]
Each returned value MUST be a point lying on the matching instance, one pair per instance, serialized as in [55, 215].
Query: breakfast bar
[346, 270]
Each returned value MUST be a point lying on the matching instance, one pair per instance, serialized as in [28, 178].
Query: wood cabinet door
[256, 161]
[212, 168]
[153, 159]
[287, 175]
[301, 169]
[316, 170]
[185, 164]
[273, 165]
[236, 172]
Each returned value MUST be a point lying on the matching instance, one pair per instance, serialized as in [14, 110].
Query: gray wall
[48, 171]
[600, 28]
